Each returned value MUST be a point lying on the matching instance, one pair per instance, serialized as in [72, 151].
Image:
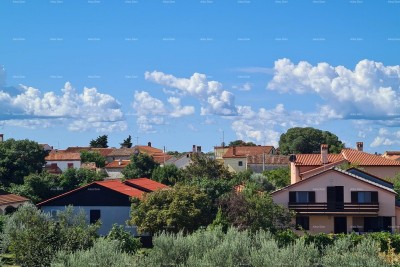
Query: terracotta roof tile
[61, 155]
[315, 159]
[118, 164]
[122, 152]
[8, 198]
[121, 187]
[146, 183]
[365, 159]
[268, 159]
[243, 151]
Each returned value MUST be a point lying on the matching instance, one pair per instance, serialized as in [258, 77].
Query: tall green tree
[93, 156]
[127, 142]
[279, 177]
[241, 143]
[19, 158]
[168, 174]
[100, 142]
[181, 208]
[203, 166]
[73, 178]
[141, 165]
[308, 140]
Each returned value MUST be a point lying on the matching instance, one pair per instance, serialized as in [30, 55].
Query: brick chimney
[360, 146]
[234, 150]
[324, 153]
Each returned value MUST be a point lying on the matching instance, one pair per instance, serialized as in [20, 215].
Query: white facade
[109, 215]
[114, 173]
[64, 164]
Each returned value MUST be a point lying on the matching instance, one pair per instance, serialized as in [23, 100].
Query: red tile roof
[149, 150]
[103, 151]
[118, 164]
[146, 183]
[160, 158]
[78, 149]
[121, 187]
[243, 151]
[60, 155]
[8, 198]
[351, 155]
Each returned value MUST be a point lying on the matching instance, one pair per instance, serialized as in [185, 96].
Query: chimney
[234, 150]
[194, 149]
[294, 170]
[360, 146]
[149, 144]
[324, 153]
[1, 137]
[198, 149]
[120, 162]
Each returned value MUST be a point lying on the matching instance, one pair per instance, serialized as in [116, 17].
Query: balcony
[335, 208]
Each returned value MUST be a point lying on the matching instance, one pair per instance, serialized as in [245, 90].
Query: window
[303, 222]
[70, 165]
[364, 197]
[302, 196]
[240, 163]
[94, 216]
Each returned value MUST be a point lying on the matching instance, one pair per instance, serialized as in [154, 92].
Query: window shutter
[311, 196]
[354, 197]
[292, 197]
[374, 197]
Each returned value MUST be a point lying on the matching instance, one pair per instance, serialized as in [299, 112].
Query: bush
[127, 242]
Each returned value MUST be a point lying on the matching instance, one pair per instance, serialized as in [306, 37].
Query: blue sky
[179, 73]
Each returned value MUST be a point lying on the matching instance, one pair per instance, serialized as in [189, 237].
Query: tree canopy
[308, 140]
[203, 166]
[127, 142]
[181, 208]
[241, 143]
[141, 165]
[93, 156]
[168, 174]
[18, 158]
[100, 142]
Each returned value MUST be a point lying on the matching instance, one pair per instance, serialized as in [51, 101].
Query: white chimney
[1, 137]
[120, 162]
[324, 153]
[194, 149]
[360, 146]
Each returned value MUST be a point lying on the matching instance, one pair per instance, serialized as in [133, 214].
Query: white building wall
[108, 216]
[63, 164]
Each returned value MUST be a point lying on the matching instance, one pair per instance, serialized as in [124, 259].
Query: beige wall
[220, 151]
[382, 171]
[334, 178]
[233, 164]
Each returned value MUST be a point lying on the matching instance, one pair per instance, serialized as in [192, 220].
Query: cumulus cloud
[2, 77]
[370, 91]
[243, 87]
[152, 111]
[386, 137]
[213, 98]
[81, 111]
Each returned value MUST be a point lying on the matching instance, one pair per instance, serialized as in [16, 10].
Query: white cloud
[178, 110]
[386, 137]
[370, 91]
[243, 87]
[2, 77]
[213, 98]
[89, 108]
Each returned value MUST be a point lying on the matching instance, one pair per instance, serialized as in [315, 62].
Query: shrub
[127, 243]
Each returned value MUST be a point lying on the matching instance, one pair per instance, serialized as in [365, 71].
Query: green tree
[19, 158]
[181, 208]
[34, 237]
[141, 165]
[127, 142]
[168, 174]
[241, 143]
[262, 183]
[93, 156]
[73, 178]
[203, 166]
[100, 142]
[308, 140]
[279, 177]
[127, 242]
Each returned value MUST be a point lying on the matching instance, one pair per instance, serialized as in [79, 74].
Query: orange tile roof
[78, 149]
[160, 158]
[8, 198]
[243, 151]
[122, 152]
[60, 155]
[121, 187]
[315, 159]
[148, 149]
[103, 151]
[146, 184]
[116, 164]
[365, 159]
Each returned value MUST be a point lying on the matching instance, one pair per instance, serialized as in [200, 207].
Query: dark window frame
[94, 216]
[302, 222]
[294, 196]
[355, 197]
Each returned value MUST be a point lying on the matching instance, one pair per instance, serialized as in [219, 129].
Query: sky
[178, 73]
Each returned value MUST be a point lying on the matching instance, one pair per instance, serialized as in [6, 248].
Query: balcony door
[335, 197]
[340, 225]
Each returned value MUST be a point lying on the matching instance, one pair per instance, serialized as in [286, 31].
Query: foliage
[214, 188]
[93, 156]
[253, 210]
[279, 177]
[105, 252]
[308, 140]
[34, 237]
[19, 158]
[181, 208]
[73, 178]
[262, 182]
[203, 166]
[141, 165]
[100, 142]
[241, 143]
[127, 242]
[168, 174]
[242, 177]
[127, 142]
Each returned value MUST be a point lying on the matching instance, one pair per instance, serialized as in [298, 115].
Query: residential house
[108, 201]
[114, 169]
[62, 160]
[393, 155]
[185, 159]
[241, 158]
[10, 202]
[46, 147]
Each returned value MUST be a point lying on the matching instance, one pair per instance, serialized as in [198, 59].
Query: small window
[303, 222]
[240, 163]
[302, 196]
[70, 165]
[94, 216]
[364, 197]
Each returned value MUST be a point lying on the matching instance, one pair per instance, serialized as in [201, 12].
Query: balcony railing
[337, 207]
